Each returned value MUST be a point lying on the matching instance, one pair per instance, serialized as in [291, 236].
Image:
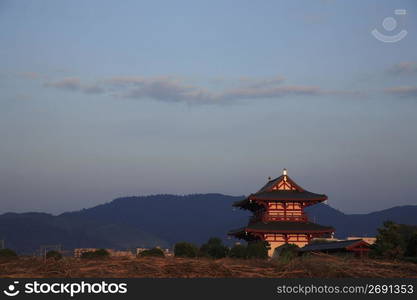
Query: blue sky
[101, 99]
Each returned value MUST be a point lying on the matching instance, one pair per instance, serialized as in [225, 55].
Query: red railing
[265, 217]
[269, 218]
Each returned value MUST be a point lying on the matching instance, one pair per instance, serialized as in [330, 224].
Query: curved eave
[237, 231]
[245, 230]
[329, 230]
[243, 234]
[247, 204]
[285, 195]
[287, 199]
[240, 203]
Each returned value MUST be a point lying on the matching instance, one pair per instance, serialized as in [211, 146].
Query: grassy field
[324, 266]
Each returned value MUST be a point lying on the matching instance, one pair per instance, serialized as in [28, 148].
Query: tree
[238, 251]
[395, 241]
[155, 252]
[53, 255]
[257, 250]
[214, 248]
[184, 249]
[97, 254]
[286, 252]
[7, 254]
[411, 250]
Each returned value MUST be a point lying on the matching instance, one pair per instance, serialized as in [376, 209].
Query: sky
[104, 99]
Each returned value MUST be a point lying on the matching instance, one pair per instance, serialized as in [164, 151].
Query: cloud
[403, 91]
[403, 68]
[31, 75]
[174, 89]
[270, 92]
[71, 84]
[74, 84]
[92, 89]
[168, 90]
[254, 82]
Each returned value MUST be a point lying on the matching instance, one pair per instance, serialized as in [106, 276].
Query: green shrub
[257, 250]
[97, 254]
[238, 251]
[395, 241]
[53, 255]
[411, 249]
[7, 254]
[155, 252]
[214, 248]
[411, 259]
[184, 249]
[286, 252]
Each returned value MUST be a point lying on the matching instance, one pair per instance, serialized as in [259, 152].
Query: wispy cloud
[71, 84]
[263, 82]
[403, 91]
[31, 75]
[173, 89]
[403, 68]
[270, 92]
[74, 84]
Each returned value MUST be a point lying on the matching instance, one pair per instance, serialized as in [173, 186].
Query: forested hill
[161, 220]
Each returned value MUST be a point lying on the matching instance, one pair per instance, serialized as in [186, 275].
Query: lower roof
[334, 245]
[287, 227]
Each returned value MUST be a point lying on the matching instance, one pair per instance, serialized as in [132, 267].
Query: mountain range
[162, 220]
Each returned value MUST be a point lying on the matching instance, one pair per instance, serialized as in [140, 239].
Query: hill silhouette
[162, 220]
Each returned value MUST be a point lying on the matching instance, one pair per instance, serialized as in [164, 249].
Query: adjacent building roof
[332, 246]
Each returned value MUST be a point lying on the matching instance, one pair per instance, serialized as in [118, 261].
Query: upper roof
[281, 188]
[335, 245]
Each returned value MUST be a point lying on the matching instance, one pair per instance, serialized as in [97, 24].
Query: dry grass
[324, 266]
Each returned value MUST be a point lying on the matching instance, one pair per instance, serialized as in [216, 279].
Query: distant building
[167, 252]
[120, 253]
[113, 253]
[139, 250]
[278, 215]
[79, 251]
[357, 247]
[369, 240]
[331, 239]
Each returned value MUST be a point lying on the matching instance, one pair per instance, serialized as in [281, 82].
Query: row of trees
[7, 254]
[396, 241]
[214, 248]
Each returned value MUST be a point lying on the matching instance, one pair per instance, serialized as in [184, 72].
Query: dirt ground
[324, 266]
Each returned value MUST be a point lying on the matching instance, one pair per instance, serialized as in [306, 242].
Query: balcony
[264, 217]
[288, 218]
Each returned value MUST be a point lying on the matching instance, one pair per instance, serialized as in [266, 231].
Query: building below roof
[358, 247]
[278, 215]
[369, 240]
